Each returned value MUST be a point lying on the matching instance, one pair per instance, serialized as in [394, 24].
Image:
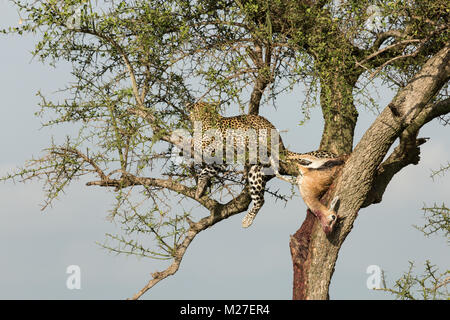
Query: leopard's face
[204, 112]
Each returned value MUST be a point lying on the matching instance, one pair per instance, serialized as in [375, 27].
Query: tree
[137, 64]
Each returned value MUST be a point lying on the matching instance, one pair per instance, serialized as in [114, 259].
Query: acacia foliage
[137, 64]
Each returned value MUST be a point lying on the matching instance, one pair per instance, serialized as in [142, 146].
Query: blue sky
[224, 262]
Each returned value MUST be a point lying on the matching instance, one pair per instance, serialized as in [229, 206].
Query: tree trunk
[314, 254]
[339, 113]
[310, 248]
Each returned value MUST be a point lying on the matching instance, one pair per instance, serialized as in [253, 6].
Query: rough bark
[315, 254]
[339, 112]
[262, 61]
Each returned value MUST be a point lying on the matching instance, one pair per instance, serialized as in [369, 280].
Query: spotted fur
[256, 179]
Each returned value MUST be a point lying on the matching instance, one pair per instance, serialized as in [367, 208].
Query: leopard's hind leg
[256, 183]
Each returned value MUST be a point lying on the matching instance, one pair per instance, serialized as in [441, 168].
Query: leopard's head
[203, 111]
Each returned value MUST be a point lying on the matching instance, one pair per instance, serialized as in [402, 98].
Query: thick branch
[407, 152]
[382, 37]
[263, 78]
[261, 83]
[129, 180]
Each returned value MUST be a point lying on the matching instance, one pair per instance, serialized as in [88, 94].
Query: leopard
[257, 177]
